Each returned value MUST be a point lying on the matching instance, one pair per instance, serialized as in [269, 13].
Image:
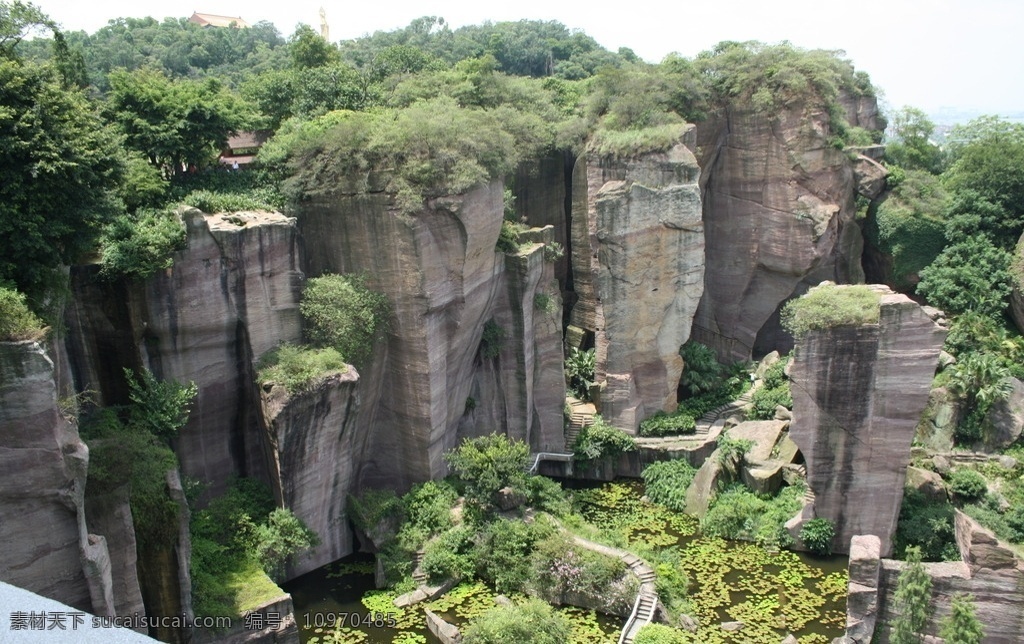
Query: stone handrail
[563, 457]
[631, 619]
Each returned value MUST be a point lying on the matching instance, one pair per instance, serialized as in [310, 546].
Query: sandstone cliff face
[778, 217]
[445, 281]
[46, 547]
[858, 392]
[231, 296]
[638, 271]
[315, 449]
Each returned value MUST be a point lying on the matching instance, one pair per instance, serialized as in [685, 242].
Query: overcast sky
[932, 54]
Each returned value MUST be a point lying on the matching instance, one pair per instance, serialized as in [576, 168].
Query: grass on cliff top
[299, 368]
[830, 306]
[17, 322]
[634, 142]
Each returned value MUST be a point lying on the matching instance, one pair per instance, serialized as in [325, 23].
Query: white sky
[932, 54]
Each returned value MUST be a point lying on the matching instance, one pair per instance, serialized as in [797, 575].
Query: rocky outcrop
[938, 421]
[858, 392]
[315, 451]
[110, 515]
[862, 597]
[440, 271]
[1017, 294]
[1005, 419]
[230, 296]
[989, 572]
[638, 270]
[779, 216]
[43, 463]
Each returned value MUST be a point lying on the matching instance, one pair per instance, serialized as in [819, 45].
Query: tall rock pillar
[858, 392]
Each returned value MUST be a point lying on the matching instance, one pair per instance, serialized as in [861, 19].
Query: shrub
[967, 485]
[662, 424]
[160, 407]
[135, 247]
[579, 372]
[817, 535]
[912, 600]
[701, 369]
[600, 440]
[508, 237]
[486, 464]
[730, 449]
[17, 322]
[830, 305]
[665, 482]
[545, 494]
[969, 275]
[671, 582]
[532, 621]
[765, 400]
[561, 566]
[492, 340]
[502, 553]
[449, 556]
[962, 625]
[428, 506]
[299, 368]
[341, 312]
[279, 537]
[655, 633]
[927, 525]
[738, 513]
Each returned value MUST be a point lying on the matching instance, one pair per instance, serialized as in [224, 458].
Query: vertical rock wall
[316, 447]
[230, 296]
[43, 463]
[858, 392]
[778, 216]
[638, 271]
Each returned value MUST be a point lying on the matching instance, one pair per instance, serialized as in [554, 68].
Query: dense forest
[104, 135]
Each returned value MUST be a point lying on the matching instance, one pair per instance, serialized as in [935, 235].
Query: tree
[160, 407]
[962, 626]
[59, 167]
[308, 49]
[912, 598]
[341, 312]
[487, 464]
[988, 158]
[912, 147]
[176, 124]
[971, 275]
[17, 20]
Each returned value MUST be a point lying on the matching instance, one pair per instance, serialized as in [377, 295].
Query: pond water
[771, 593]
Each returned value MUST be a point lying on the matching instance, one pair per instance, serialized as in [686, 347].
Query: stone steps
[582, 415]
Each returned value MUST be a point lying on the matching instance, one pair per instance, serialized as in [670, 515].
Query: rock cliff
[778, 217]
[231, 296]
[858, 392]
[638, 271]
[445, 281]
[43, 463]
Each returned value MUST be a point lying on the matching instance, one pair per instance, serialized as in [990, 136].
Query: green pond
[772, 593]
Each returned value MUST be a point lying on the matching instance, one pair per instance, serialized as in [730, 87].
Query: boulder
[766, 363]
[870, 176]
[763, 478]
[763, 433]
[787, 450]
[858, 391]
[926, 482]
[508, 498]
[1006, 419]
[781, 413]
[979, 547]
[938, 421]
[706, 482]
[731, 627]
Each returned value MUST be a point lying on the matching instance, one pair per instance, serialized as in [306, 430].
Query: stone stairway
[705, 422]
[418, 575]
[582, 415]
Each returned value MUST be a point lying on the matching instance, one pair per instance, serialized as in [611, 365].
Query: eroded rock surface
[778, 215]
[638, 270]
[43, 467]
[858, 392]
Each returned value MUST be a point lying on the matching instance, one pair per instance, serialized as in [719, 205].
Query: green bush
[927, 525]
[532, 621]
[449, 556]
[492, 340]
[502, 553]
[579, 372]
[17, 322]
[732, 449]
[655, 633]
[969, 275]
[217, 202]
[547, 495]
[299, 368]
[341, 312]
[600, 440]
[671, 582]
[561, 566]
[817, 535]
[738, 513]
[371, 507]
[161, 407]
[765, 400]
[665, 482]
[135, 247]
[830, 305]
[508, 237]
[428, 506]
[662, 424]
[487, 464]
[967, 485]
[701, 370]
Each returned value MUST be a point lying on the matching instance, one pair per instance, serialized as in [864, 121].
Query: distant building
[242, 148]
[210, 20]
